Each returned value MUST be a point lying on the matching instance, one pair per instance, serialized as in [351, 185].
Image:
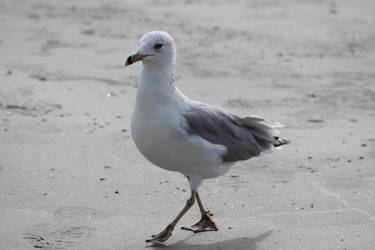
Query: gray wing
[244, 137]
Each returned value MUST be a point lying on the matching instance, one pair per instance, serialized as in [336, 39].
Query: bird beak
[134, 58]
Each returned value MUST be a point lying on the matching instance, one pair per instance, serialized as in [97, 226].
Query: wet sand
[71, 177]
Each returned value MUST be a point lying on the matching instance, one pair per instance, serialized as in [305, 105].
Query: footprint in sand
[33, 109]
[69, 229]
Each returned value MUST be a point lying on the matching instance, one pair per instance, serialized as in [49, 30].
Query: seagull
[179, 134]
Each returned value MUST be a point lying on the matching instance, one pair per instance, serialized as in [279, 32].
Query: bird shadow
[248, 243]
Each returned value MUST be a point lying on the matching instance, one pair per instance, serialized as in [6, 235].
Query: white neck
[156, 86]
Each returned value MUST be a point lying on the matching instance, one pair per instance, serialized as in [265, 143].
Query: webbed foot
[205, 224]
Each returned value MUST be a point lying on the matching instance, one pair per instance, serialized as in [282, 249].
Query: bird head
[155, 48]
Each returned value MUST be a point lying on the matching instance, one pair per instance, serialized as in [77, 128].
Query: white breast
[159, 134]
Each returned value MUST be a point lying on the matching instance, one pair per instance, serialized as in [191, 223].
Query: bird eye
[158, 46]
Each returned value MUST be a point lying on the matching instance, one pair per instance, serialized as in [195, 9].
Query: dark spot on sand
[39, 77]
[33, 16]
[88, 32]
[11, 106]
[315, 120]
[333, 8]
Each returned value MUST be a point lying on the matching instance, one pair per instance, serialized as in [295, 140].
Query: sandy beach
[72, 178]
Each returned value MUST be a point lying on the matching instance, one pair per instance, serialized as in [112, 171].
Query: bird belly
[164, 142]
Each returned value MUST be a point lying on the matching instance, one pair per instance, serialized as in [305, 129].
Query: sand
[71, 177]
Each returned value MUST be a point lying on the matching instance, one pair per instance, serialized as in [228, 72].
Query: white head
[156, 48]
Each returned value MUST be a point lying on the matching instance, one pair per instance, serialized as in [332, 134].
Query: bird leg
[167, 232]
[205, 224]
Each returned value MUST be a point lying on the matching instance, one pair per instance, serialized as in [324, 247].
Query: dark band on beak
[134, 58]
[129, 61]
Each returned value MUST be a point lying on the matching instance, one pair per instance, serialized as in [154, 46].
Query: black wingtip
[280, 141]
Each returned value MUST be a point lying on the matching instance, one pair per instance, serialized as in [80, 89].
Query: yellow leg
[167, 232]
